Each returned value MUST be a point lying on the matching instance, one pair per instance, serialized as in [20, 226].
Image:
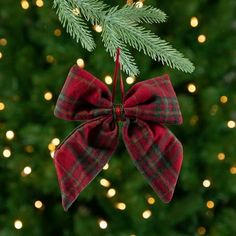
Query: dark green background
[25, 76]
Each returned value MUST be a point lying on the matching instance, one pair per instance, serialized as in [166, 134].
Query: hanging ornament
[143, 110]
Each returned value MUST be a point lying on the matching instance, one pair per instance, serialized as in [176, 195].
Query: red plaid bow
[144, 109]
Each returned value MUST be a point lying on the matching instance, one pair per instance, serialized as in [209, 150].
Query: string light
[55, 141]
[121, 206]
[57, 32]
[38, 204]
[3, 42]
[231, 124]
[206, 183]
[52, 154]
[130, 80]
[105, 183]
[108, 79]
[50, 59]
[146, 214]
[80, 63]
[39, 3]
[29, 148]
[221, 156]
[1, 55]
[151, 200]
[130, 2]
[18, 224]
[210, 204]
[76, 11]
[102, 224]
[51, 147]
[6, 153]
[48, 96]
[27, 170]
[98, 28]
[201, 230]
[111, 192]
[233, 170]
[223, 99]
[192, 88]
[139, 4]
[2, 106]
[194, 21]
[201, 38]
[25, 4]
[10, 134]
[106, 167]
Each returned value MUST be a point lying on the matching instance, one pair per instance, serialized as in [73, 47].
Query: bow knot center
[118, 112]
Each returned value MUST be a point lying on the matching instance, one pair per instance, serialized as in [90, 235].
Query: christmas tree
[36, 53]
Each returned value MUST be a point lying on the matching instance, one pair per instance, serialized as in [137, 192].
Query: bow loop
[83, 155]
[153, 100]
[83, 97]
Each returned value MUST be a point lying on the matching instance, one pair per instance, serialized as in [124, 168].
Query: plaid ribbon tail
[156, 152]
[83, 155]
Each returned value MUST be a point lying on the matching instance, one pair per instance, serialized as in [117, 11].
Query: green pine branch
[74, 24]
[121, 28]
[145, 14]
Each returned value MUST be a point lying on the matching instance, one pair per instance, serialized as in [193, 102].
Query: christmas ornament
[144, 110]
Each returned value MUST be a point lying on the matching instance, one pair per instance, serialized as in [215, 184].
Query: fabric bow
[148, 105]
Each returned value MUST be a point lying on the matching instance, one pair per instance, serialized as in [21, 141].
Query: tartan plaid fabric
[148, 105]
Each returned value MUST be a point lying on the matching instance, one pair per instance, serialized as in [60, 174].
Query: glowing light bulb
[2, 106]
[80, 63]
[1, 55]
[10, 134]
[50, 59]
[233, 170]
[98, 28]
[192, 88]
[57, 32]
[51, 147]
[231, 124]
[6, 153]
[18, 224]
[210, 204]
[194, 21]
[3, 42]
[106, 167]
[48, 96]
[24, 4]
[111, 192]
[206, 183]
[105, 183]
[130, 80]
[151, 200]
[201, 230]
[108, 79]
[39, 3]
[121, 206]
[221, 156]
[146, 214]
[201, 38]
[139, 4]
[29, 148]
[102, 224]
[223, 99]
[27, 170]
[55, 141]
[76, 11]
[38, 204]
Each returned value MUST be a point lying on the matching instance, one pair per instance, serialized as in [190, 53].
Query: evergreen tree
[36, 54]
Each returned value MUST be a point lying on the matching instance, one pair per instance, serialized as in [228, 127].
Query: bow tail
[83, 155]
[157, 153]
